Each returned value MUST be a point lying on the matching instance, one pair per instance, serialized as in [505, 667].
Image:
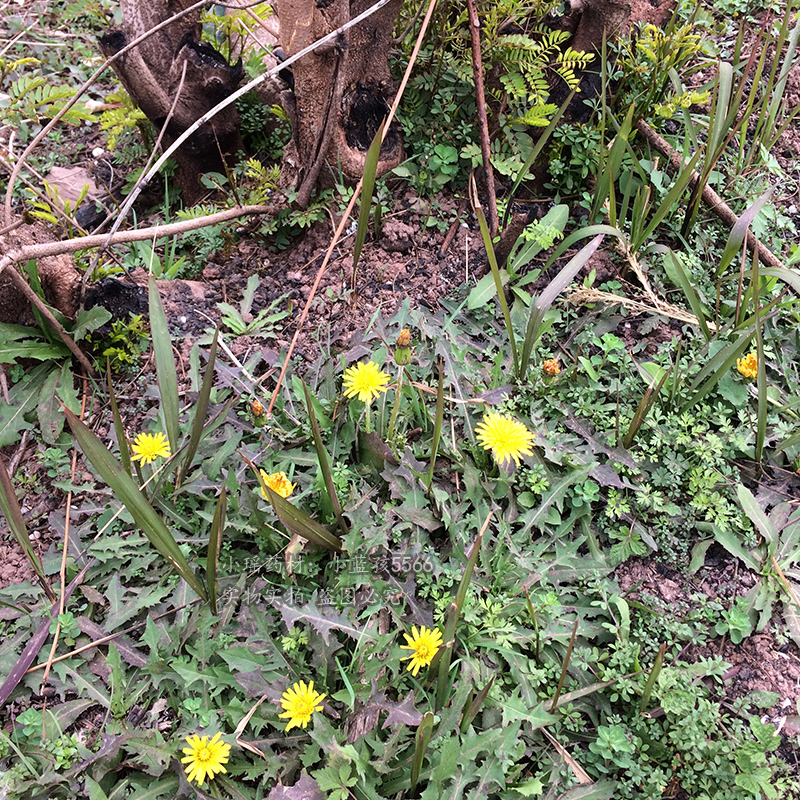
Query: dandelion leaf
[322, 621]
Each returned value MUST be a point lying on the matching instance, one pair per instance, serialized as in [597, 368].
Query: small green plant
[123, 118]
[69, 627]
[126, 342]
[574, 156]
[736, 622]
[143, 254]
[31, 723]
[230, 31]
[240, 322]
[34, 98]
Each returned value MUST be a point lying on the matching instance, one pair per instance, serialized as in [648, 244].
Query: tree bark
[341, 93]
[59, 277]
[153, 72]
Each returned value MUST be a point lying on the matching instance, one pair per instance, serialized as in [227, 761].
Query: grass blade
[716, 367]
[421, 742]
[294, 519]
[739, 232]
[9, 505]
[775, 102]
[201, 409]
[785, 274]
[214, 544]
[681, 182]
[691, 295]
[444, 656]
[605, 182]
[564, 666]
[652, 677]
[498, 281]
[367, 188]
[643, 409]
[126, 490]
[537, 148]
[437, 426]
[761, 374]
[324, 464]
[549, 295]
[165, 365]
[119, 428]
[475, 706]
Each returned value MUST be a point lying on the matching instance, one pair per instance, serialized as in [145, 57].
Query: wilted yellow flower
[278, 482]
[402, 352]
[424, 645]
[550, 367]
[299, 703]
[257, 408]
[204, 758]
[748, 365]
[365, 381]
[148, 447]
[505, 437]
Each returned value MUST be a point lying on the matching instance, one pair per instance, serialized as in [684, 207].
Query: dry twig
[483, 122]
[714, 201]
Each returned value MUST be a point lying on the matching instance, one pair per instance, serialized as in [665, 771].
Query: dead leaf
[305, 789]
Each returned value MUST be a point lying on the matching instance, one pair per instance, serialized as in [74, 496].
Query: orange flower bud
[550, 367]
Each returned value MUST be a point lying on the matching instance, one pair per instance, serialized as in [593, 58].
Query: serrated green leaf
[201, 408]
[601, 790]
[145, 516]
[556, 494]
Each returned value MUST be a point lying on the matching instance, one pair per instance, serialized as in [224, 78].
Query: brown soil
[402, 263]
[759, 663]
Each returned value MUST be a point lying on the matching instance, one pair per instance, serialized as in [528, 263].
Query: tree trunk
[59, 278]
[152, 72]
[341, 92]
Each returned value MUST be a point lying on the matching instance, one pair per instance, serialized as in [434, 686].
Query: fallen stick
[483, 122]
[30, 251]
[714, 201]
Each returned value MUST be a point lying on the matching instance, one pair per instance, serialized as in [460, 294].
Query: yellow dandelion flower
[505, 437]
[278, 482]
[365, 381]
[424, 645]
[204, 758]
[299, 703]
[550, 367]
[748, 365]
[148, 447]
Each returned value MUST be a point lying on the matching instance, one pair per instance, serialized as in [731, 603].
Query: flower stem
[368, 414]
[396, 408]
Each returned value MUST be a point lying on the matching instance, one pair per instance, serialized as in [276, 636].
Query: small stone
[397, 237]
